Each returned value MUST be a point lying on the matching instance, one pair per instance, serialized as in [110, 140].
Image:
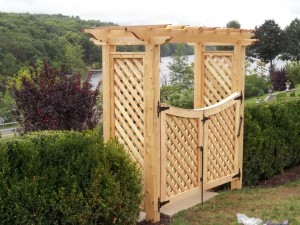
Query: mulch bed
[164, 220]
[287, 176]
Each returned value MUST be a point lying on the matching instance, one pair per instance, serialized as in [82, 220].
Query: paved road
[6, 132]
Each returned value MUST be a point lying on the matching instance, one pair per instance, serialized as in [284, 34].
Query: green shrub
[67, 178]
[271, 139]
[255, 86]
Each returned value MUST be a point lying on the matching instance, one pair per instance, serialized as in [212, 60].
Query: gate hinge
[240, 97]
[161, 204]
[205, 118]
[201, 179]
[201, 148]
[238, 175]
[161, 108]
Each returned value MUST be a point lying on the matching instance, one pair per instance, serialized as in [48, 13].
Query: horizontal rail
[8, 124]
[194, 113]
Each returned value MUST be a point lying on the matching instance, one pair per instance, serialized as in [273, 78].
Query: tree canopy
[292, 43]
[271, 42]
[26, 38]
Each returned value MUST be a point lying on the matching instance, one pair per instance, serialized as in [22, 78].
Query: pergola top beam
[128, 35]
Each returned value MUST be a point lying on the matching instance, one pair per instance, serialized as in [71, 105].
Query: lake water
[164, 71]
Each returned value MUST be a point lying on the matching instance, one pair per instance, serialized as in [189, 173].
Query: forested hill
[28, 38]
[32, 38]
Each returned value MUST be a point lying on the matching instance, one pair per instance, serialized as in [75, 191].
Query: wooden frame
[131, 107]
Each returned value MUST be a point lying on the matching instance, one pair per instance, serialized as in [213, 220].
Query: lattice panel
[221, 144]
[182, 154]
[217, 78]
[129, 105]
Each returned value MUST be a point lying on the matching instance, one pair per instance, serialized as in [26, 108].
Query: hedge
[271, 139]
[67, 178]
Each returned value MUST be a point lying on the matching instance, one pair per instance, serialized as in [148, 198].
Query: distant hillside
[28, 38]
[32, 38]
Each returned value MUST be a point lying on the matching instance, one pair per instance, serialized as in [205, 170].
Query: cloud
[186, 12]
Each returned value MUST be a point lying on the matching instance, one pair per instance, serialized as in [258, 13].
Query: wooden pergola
[178, 151]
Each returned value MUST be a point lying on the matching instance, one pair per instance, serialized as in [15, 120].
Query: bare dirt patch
[288, 175]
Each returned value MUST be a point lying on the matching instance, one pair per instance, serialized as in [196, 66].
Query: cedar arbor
[180, 152]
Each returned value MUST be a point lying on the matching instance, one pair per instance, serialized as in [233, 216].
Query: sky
[209, 13]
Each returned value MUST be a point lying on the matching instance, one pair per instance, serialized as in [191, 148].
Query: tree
[233, 24]
[180, 91]
[293, 71]
[292, 46]
[255, 85]
[181, 73]
[49, 100]
[270, 44]
[7, 104]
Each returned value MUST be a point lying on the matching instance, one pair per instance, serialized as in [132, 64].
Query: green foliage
[181, 73]
[271, 139]
[255, 86]
[26, 38]
[67, 178]
[270, 44]
[183, 99]
[170, 49]
[233, 24]
[7, 103]
[179, 92]
[292, 43]
[293, 71]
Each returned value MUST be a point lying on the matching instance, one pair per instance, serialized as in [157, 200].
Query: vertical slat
[152, 175]
[201, 157]
[205, 152]
[240, 64]
[198, 76]
[163, 164]
[107, 86]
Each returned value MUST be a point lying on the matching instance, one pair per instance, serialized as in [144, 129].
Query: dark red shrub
[278, 79]
[50, 100]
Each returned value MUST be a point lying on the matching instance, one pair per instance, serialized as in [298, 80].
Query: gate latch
[161, 204]
[161, 108]
[240, 97]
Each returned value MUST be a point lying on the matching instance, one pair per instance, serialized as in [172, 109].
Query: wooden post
[239, 63]
[199, 76]
[107, 90]
[152, 132]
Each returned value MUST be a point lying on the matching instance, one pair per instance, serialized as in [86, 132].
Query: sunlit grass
[275, 204]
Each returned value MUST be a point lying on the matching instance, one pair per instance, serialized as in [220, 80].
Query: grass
[275, 204]
[262, 98]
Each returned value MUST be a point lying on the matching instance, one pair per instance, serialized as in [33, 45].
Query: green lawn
[275, 204]
[262, 98]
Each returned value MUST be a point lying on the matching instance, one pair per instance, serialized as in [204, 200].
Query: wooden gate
[199, 145]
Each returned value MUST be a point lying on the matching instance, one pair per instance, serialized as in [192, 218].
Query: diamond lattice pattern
[181, 155]
[129, 105]
[221, 138]
[217, 78]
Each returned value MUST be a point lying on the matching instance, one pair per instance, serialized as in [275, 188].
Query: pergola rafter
[160, 34]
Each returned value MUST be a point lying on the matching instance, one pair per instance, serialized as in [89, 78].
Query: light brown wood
[107, 79]
[166, 145]
[116, 35]
[240, 64]
[198, 76]
[152, 169]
